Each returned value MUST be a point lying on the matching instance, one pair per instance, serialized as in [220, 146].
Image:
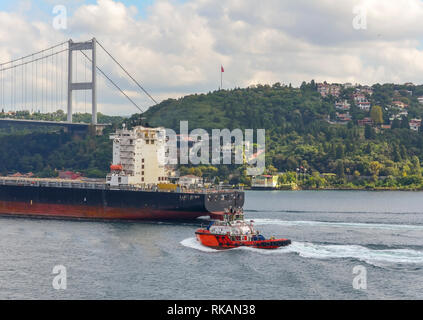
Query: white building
[138, 156]
[342, 105]
[415, 124]
[264, 182]
[364, 105]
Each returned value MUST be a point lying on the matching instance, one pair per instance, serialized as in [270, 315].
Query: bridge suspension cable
[39, 84]
[114, 83]
[33, 54]
[136, 82]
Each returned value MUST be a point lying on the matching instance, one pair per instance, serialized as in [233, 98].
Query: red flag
[221, 69]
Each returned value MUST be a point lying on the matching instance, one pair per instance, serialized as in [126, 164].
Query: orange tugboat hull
[221, 242]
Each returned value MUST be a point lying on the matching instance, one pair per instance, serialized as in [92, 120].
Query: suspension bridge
[50, 81]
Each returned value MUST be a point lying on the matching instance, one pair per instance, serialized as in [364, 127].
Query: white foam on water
[194, 244]
[380, 226]
[379, 258]
[371, 256]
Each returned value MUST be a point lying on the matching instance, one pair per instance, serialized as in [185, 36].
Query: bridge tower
[88, 45]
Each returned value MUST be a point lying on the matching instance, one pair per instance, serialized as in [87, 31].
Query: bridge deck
[52, 123]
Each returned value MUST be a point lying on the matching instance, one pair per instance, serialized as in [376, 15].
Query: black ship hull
[106, 203]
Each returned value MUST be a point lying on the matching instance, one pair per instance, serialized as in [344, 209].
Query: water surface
[332, 232]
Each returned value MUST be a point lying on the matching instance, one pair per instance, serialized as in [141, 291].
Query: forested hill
[278, 108]
[298, 131]
[302, 129]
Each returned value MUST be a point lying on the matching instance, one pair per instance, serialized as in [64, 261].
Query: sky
[176, 47]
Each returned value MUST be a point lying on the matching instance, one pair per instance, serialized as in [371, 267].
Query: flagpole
[221, 77]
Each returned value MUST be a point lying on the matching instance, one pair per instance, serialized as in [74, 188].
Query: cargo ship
[137, 188]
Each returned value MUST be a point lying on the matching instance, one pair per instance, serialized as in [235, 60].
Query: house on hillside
[323, 89]
[364, 105]
[359, 97]
[366, 90]
[415, 124]
[400, 104]
[399, 116]
[326, 89]
[342, 105]
[361, 101]
[385, 126]
[343, 117]
[365, 121]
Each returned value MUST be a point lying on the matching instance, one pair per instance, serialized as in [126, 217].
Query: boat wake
[380, 226]
[194, 244]
[378, 258]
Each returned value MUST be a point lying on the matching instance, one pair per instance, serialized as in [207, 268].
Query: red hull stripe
[92, 212]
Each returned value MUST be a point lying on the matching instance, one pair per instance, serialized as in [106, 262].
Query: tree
[396, 124]
[339, 152]
[340, 171]
[369, 132]
[404, 123]
[375, 167]
[415, 168]
[377, 114]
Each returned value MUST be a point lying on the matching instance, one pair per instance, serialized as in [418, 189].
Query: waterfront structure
[264, 182]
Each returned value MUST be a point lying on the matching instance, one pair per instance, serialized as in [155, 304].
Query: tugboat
[232, 231]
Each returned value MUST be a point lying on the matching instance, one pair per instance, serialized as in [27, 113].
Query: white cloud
[179, 47]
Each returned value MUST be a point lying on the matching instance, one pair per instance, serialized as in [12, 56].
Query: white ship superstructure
[138, 156]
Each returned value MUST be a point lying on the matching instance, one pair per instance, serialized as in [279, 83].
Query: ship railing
[51, 183]
[96, 185]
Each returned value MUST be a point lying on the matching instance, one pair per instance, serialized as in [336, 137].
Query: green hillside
[302, 129]
[297, 130]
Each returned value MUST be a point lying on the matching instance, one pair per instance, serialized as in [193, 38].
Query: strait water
[332, 232]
